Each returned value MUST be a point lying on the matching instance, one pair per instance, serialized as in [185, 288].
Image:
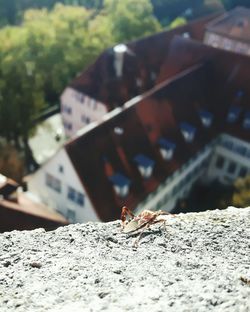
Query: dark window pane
[80, 199]
[220, 162]
[71, 193]
[232, 167]
[243, 172]
[71, 215]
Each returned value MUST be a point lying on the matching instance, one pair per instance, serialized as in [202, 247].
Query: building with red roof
[192, 125]
[119, 74]
[231, 31]
[21, 211]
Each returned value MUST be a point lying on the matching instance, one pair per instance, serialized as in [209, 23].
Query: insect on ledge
[132, 223]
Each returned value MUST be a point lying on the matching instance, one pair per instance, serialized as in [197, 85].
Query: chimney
[119, 51]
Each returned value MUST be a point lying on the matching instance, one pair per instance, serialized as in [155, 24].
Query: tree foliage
[11, 11]
[241, 196]
[179, 21]
[131, 19]
[37, 61]
[40, 58]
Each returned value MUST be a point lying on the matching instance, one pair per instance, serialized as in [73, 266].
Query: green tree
[179, 21]
[130, 19]
[21, 95]
[11, 11]
[39, 59]
[241, 196]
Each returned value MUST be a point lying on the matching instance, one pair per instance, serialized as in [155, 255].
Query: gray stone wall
[196, 262]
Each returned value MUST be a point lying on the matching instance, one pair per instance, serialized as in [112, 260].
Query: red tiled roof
[234, 24]
[25, 214]
[22, 213]
[156, 115]
[99, 80]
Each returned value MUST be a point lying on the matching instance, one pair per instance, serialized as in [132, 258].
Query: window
[246, 121]
[71, 215]
[85, 119]
[231, 167]
[145, 165]
[212, 39]
[60, 168]
[248, 153]
[118, 130]
[53, 182]
[186, 35]
[166, 148]
[81, 98]
[92, 104]
[67, 109]
[67, 125]
[188, 131]
[233, 114]
[227, 44]
[220, 162]
[75, 196]
[243, 172]
[120, 184]
[241, 48]
[206, 118]
[71, 193]
[240, 150]
[139, 82]
[228, 144]
[80, 199]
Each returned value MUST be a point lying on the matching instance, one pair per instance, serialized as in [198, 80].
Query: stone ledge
[199, 262]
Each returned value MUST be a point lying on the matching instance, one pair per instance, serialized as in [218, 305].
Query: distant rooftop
[20, 211]
[234, 24]
[142, 62]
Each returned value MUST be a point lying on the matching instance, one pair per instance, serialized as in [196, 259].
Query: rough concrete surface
[198, 262]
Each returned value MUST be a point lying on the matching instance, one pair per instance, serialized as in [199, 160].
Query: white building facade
[225, 159]
[225, 43]
[78, 110]
[57, 185]
[230, 160]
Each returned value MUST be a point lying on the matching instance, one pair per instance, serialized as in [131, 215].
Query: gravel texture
[198, 262]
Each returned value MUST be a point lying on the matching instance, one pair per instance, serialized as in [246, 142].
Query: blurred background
[45, 44]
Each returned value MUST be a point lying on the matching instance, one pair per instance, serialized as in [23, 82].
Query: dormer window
[233, 114]
[139, 82]
[152, 76]
[206, 118]
[120, 184]
[145, 165]
[186, 35]
[118, 130]
[246, 121]
[166, 148]
[188, 131]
